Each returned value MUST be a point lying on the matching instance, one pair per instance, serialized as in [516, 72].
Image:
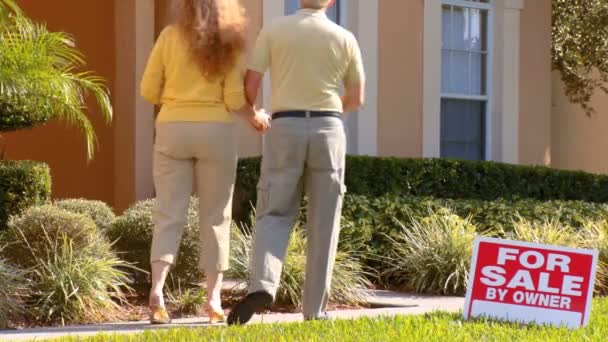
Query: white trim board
[144, 111]
[272, 9]
[511, 78]
[431, 108]
[367, 125]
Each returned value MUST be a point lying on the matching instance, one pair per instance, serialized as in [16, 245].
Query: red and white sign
[530, 283]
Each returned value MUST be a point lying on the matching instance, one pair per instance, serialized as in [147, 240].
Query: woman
[195, 74]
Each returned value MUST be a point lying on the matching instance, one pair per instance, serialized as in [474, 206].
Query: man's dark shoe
[245, 309]
[321, 317]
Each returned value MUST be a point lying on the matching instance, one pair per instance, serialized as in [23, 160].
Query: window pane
[478, 70]
[334, 12]
[291, 6]
[459, 73]
[463, 129]
[464, 28]
[479, 28]
[464, 52]
[459, 30]
[446, 62]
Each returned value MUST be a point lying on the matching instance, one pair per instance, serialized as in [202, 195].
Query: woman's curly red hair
[215, 32]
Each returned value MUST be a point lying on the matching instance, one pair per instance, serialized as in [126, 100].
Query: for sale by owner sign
[530, 283]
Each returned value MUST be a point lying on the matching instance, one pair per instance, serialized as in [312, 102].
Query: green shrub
[432, 254]
[445, 178]
[245, 190]
[22, 184]
[348, 283]
[99, 211]
[13, 288]
[34, 234]
[73, 287]
[358, 225]
[501, 214]
[371, 220]
[133, 235]
[15, 117]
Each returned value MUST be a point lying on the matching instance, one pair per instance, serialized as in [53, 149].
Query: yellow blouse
[174, 81]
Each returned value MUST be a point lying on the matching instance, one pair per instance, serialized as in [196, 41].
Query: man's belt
[306, 114]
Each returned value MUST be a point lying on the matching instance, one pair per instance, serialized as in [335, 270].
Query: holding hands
[260, 121]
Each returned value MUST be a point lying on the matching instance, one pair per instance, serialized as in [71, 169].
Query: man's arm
[259, 63]
[253, 81]
[354, 97]
[354, 80]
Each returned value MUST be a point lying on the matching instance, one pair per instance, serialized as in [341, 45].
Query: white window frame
[488, 98]
[341, 11]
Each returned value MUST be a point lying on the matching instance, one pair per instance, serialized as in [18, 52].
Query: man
[310, 60]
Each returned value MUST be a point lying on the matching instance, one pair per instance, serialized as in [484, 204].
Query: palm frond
[8, 9]
[40, 79]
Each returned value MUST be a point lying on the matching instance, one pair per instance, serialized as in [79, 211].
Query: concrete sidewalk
[388, 303]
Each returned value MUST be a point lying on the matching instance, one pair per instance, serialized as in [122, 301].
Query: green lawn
[435, 327]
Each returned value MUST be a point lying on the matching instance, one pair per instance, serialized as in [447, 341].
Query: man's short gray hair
[315, 3]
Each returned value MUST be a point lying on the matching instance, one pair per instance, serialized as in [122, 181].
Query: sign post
[530, 283]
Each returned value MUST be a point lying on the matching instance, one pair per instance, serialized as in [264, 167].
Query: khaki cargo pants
[300, 154]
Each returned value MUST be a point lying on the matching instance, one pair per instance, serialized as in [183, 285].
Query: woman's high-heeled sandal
[159, 315]
[215, 315]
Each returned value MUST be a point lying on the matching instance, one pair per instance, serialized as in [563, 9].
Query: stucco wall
[535, 83]
[579, 142]
[63, 148]
[400, 81]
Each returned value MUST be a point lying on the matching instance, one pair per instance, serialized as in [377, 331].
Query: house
[447, 78]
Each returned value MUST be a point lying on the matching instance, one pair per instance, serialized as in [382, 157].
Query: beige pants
[184, 154]
[300, 153]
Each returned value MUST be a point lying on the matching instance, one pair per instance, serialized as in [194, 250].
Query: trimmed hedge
[13, 118]
[22, 184]
[98, 211]
[446, 178]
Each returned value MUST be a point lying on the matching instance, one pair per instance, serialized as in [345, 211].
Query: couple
[196, 73]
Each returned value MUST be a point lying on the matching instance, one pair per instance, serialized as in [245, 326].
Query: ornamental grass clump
[431, 254]
[69, 287]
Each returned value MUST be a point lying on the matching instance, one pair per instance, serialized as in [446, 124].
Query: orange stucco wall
[63, 148]
[579, 142]
[535, 83]
[400, 78]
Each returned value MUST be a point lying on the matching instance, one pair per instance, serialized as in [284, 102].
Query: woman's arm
[153, 79]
